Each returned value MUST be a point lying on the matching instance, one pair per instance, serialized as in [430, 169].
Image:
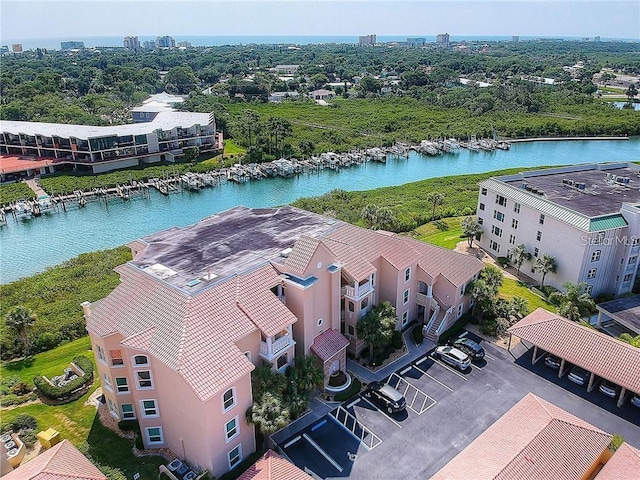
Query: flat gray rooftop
[625, 310]
[601, 195]
[232, 242]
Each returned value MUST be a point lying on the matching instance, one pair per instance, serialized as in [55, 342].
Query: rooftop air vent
[285, 253]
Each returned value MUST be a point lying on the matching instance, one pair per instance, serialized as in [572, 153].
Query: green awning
[607, 223]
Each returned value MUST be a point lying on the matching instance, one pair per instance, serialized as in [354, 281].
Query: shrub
[24, 422]
[129, 425]
[20, 388]
[503, 261]
[353, 389]
[28, 437]
[46, 341]
[489, 326]
[418, 337]
[58, 393]
[396, 340]
[455, 328]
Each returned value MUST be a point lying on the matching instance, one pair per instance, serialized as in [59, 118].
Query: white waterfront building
[586, 216]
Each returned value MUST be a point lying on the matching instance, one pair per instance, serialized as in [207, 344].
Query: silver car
[608, 388]
[453, 356]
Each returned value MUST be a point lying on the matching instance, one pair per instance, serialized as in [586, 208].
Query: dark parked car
[579, 375]
[635, 400]
[552, 362]
[471, 348]
[385, 396]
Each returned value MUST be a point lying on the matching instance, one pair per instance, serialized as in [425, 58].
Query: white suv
[453, 356]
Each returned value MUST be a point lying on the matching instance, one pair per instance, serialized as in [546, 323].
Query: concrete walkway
[317, 410]
[413, 353]
[34, 185]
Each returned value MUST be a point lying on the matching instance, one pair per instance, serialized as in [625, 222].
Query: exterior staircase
[431, 334]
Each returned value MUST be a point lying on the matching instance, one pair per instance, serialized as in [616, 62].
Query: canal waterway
[28, 246]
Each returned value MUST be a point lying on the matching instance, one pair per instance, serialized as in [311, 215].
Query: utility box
[48, 438]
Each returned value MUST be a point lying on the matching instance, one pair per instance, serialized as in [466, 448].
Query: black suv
[386, 397]
[471, 348]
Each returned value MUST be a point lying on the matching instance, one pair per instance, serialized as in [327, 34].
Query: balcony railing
[357, 292]
[276, 346]
[422, 299]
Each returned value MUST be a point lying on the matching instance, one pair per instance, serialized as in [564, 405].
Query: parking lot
[446, 410]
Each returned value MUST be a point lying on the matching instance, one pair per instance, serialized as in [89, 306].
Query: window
[127, 411]
[536, 252]
[405, 297]
[627, 277]
[351, 307]
[373, 279]
[514, 224]
[116, 358]
[235, 456]
[149, 408]
[632, 260]
[122, 385]
[598, 238]
[512, 239]
[140, 361]
[494, 246]
[144, 379]
[100, 353]
[364, 303]
[228, 400]
[154, 435]
[595, 256]
[112, 407]
[483, 191]
[405, 318]
[107, 381]
[497, 231]
[635, 241]
[516, 207]
[500, 200]
[589, 289]
[407, 275]
[498, 215]
[481, 206]
[351, 330]
[320, 322]
[462, 289]
[541, 219]
[459, 310]
[282, 361]
[592, 273]
[539, 235]
[480, 220]
[232, 429]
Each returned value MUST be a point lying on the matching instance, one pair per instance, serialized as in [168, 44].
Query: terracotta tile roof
[624, 465]
[596, 352]
[328, 343]
[401, 251]
[299, 258]
[550, 444]
[272, 466]
[354, 264]
[61, 462]
[192, 334]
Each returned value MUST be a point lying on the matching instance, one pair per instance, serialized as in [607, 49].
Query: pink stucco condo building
[199, 307]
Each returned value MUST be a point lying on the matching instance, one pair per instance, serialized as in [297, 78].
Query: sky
[76, 19]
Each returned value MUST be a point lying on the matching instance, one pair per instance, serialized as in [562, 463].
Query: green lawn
[76, 421]
[50, 363]
[230, 147]
[513, 288]
[429, 232]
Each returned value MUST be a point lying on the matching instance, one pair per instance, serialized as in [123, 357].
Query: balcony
[271, 348]
[635, 250]
[422, 299]
[357, 292]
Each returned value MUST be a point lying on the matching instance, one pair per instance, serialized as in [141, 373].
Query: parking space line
[417, 394]
[381, 411]
[489, 357]
[433, 378]
[323, 453]
[475, 366]
[450, 369]
[364, 430]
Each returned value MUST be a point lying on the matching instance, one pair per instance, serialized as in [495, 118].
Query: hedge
[56, 393]
[354, 389]
[455, 328]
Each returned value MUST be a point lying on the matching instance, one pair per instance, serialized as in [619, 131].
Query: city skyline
[47, 19]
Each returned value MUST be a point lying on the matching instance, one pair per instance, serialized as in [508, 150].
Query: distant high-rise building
[71, 45]
[184, 44]
[416, 41]
[367, 40]
[131, 43]
[4, 49]
[442, 39]
[16, 47]
[165, 42]
[596, 39]
[515, 38]
[148, 45]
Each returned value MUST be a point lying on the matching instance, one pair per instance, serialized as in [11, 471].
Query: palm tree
[470, 228]
[20, 319]
[518, 255]
[385, 218]
[269, 414]
[265, 379]
[306, 373]
[377, 326]
[626, 337]
[518, 307]
[574, 303]
[369, 214]
[436, 198]
[545, 264]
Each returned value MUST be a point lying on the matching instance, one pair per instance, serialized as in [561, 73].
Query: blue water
[29, 246]
[636, 106]
[215, 40]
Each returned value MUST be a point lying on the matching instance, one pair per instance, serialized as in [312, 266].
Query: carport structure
[601, 355]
